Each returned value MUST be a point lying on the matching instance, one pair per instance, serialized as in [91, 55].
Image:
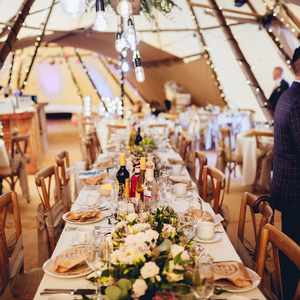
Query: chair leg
[228, 179]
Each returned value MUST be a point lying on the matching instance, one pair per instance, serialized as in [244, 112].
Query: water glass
[203, 277]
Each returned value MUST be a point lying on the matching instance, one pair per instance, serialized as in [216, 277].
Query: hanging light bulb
[121, 42]
[131, 35]
[100, 22]
[124, 52]
[138, 68]
[74, 8]
[124, 66]
[124, 8]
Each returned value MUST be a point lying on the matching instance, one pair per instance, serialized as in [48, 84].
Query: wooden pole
[206, 53]
[73, 77]
[37, 44]
[275, 40]
[234, 11]
[89, 77]
[245, 66]
[11, 69]
[12, 36]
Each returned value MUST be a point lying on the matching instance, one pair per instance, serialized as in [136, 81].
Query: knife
[81, 292]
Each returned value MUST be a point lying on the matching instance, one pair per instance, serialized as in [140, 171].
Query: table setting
[168, 244]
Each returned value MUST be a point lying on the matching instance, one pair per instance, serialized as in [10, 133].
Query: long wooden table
[220, 251]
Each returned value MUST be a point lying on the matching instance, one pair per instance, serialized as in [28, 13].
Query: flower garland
[150, 255]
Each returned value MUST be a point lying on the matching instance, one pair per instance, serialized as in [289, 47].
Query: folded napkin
[232, 271]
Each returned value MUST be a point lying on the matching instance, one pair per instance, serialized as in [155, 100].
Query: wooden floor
[63, 135]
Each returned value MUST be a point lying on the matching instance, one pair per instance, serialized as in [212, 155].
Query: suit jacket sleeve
[295, 124]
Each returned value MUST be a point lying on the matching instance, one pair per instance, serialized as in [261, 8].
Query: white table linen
[220, 251]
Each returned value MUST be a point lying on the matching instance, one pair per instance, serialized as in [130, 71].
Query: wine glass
[203, 277]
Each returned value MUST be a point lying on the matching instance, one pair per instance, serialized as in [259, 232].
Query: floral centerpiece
[150, 255]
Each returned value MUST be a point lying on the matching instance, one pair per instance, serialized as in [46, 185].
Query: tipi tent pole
[283, 54]
[256, 88]
[37, 45]
[11, 39]
[89, 78]
[73, 77]
[206, 53]
[11, 69]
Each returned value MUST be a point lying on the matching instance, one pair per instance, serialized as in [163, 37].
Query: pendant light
[100, 22]
[124, 8]
[138, 68]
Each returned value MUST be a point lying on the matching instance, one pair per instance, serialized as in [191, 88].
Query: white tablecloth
[246, 148]
[4, 160]
[221, 251]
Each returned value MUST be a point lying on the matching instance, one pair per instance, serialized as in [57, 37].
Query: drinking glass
[203, 277]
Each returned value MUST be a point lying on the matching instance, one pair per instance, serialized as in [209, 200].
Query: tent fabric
[175, 36]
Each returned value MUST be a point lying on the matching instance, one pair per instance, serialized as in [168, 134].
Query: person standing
[280, 87]
[285, 190]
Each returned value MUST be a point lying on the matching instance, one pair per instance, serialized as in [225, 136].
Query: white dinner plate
[48, 269]
[217, 238]
[255, 278]
[83, 223]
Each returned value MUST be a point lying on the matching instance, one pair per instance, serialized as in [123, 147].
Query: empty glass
[203, 277]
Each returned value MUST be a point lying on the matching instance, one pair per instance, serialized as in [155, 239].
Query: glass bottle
[122, 177]
[138, 138]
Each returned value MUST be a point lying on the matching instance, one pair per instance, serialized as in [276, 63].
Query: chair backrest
[90, 151]
[63, 163]
[19, 145]
[11, 255]
[197, 162]
[44, 179]
[214, 178]
[201, 161]
[280, 242]
[225, 142]
[185, 147]
[260, 135]
[49, 213]
[261, 214]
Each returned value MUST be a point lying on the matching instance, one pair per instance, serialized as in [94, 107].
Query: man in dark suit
[285, 191]
[281, 86]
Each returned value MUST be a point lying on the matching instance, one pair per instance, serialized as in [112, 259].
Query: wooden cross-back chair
[91, 152]
[62, 164]
[11, 247]
[184, 147]
[231, 160]
[14, 282]
[261, 214]
[215, 179]
[50, 211]
[16, 171]
[197, 162]
[280, 242]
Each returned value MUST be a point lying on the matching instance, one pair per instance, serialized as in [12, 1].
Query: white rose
[151, 236]
[139, 288]
[149, 270]
[176, 249]
[131, 217]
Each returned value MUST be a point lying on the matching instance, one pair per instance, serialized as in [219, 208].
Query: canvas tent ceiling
[177, 36]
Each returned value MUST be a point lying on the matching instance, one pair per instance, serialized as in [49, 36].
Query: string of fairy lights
[275, 8]
[37, 44]
[206, 53]
[84, 67]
